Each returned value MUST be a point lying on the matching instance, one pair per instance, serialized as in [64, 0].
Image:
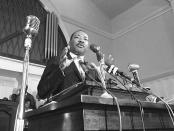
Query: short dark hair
[76, 32]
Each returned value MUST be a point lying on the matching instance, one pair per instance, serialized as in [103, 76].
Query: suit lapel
[76, 71]
[73, 65]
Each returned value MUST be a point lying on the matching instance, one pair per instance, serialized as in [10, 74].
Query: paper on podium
[71, 91]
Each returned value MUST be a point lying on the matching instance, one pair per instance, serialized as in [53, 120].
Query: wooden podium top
[86, 99]
[80, 94]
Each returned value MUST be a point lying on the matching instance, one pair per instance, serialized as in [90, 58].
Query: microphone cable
[113, 96]
[100, 58]
[138, 102]
[134, 98]
[133, 68]
[169, 109]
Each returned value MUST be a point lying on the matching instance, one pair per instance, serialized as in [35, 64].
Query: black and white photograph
[87, 65]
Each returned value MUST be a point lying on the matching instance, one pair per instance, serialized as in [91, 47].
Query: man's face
[79, 43]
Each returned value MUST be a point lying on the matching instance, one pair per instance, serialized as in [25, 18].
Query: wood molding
[143, 21]
[17, 66]
[124, 31]
[87, 27]
[159, 76]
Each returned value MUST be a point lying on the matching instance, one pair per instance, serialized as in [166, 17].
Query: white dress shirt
[76, 61]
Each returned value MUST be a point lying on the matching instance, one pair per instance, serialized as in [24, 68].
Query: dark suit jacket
[53, 80]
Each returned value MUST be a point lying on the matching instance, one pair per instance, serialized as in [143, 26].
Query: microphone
[134, 69]
[32, 25]
[96, 49]
[114, 71]
[100, 57]
[111, 69]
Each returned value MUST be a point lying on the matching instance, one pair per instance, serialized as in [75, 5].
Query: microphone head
[97, 51]
[32, 25]
[95, 48]
[133, 67]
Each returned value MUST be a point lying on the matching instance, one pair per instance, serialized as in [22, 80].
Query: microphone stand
[31, 29]
[19, 121]
[102, 73]
[103, 86]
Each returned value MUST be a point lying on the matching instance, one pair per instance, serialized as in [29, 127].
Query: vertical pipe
[46, 36]
[57, 31]
[54, 35]
[49, 29]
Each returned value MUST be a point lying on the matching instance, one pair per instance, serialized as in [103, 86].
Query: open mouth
[80, 45]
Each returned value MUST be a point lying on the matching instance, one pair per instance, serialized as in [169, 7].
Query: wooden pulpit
[83, 112]
[7, 115]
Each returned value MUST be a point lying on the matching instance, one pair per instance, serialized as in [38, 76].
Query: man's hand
[63, 58]
[64, 54]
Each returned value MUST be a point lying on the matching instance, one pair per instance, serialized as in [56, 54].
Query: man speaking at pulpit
[61, 75]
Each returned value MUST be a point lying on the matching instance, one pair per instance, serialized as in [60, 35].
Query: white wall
[144, 35]
[8, 81]
[137, 13]
[11, 72]
[162, 86]
[149, 43]
[82, 11]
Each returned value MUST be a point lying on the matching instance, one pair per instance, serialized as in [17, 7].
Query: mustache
[81, 44]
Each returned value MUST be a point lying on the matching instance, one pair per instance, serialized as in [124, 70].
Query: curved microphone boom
[100, 58]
